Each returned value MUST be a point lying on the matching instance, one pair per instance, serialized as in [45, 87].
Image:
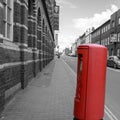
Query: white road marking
[107, 110]
[110, 114]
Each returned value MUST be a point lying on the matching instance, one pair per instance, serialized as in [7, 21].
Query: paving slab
[50, 96]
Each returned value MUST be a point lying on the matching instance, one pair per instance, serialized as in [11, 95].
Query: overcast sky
[78, 15]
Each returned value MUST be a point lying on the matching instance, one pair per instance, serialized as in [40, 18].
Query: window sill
[7, 43]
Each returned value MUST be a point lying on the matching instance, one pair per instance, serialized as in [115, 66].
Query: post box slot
[80, 67]
[80, 64]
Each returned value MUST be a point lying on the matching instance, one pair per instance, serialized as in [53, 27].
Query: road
[112, 101]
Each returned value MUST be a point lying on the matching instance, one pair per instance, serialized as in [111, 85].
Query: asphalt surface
[112, 101]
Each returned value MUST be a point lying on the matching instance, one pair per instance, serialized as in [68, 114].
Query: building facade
[88, 35]
[74, 49]
[115, 33]
[83, 38]
[78, 41]
[108, 34]
[101, 35]
[26, 42]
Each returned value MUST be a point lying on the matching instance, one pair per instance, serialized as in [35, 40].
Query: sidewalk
[50, 96]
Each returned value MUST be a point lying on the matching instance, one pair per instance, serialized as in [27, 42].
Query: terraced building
[26, 42]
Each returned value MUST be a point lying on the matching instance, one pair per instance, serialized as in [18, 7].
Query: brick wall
[9, 71]
[2, 100]
[26, 74]
[8, 56]
[16, 27]
[20, 58]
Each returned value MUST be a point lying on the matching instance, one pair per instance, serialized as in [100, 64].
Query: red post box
[91, 79]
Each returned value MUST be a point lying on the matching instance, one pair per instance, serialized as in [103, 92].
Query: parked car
[113, 61]
[72, 54]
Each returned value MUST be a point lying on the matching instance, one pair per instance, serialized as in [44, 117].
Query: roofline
[100, 26]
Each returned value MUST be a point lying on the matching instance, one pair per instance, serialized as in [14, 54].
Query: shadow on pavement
[45, 77]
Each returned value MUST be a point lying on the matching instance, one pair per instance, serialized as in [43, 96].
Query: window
[119, 20]
[98, 32]
[105, 29]
[118, 52]
[108, 26]
[102, 42]
[113, 23]
[102, 30]
[7, 18]
[118, 37]
[108, 40]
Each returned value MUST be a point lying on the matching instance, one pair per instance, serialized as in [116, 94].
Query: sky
[76, 16]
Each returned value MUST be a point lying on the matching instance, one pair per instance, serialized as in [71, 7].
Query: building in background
[101, 35]
[108, 34]
[78, 41]
[56, 38]
[82, 38]
[115, 33]
[88, 35]
[74, 49]
[26, 41]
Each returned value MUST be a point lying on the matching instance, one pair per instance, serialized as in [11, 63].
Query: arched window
[46, 37]
[43, 26]
[30, 7]
[30, 23]
[39, 29]
[43, 31]
[46, 30]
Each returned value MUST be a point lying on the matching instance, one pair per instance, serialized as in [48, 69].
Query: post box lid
[91, 46]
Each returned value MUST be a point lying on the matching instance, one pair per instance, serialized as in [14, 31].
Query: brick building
[82, 39]
[115, 33]
[26, 42]
[74, 48]
[101, 35]
[108, 34]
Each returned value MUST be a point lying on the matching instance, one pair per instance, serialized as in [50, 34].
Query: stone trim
[7, 65]
[20, 25]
